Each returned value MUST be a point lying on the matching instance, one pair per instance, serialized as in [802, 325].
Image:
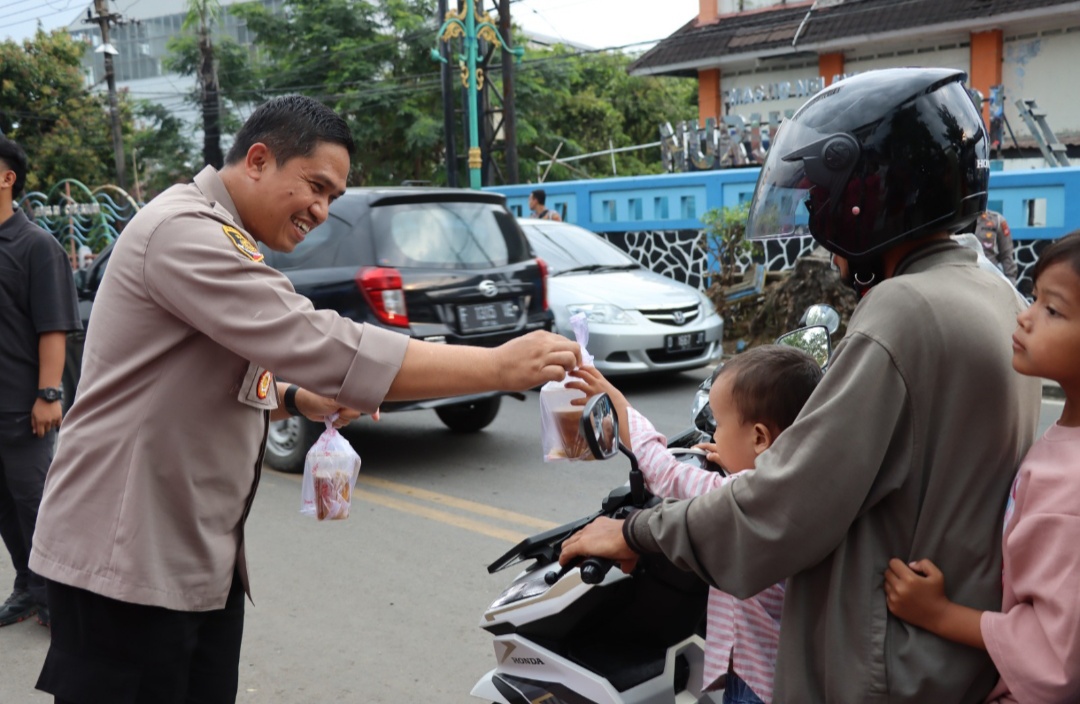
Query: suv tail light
[543, 282]
[381, 287]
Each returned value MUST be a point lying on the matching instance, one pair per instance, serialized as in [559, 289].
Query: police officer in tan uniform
[140, 534]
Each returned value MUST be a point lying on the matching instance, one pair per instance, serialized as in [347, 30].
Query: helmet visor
[779, 206]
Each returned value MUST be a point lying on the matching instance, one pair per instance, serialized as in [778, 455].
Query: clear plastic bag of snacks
[330, 472]
[560, 420]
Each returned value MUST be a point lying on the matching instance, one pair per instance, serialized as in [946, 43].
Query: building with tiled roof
[756, 58]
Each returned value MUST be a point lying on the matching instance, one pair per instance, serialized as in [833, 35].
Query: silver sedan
[639, 321]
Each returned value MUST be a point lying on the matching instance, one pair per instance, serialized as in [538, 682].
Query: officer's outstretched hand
[534, 359]
[319, 408]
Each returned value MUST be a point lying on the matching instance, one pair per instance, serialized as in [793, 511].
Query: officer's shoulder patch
[242, 243]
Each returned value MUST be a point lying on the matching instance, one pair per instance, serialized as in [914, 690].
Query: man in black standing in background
[38, 306]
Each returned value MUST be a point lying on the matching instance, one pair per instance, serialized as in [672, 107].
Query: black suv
[443, 265]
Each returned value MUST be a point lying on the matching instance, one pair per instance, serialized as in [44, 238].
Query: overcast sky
[597, 23]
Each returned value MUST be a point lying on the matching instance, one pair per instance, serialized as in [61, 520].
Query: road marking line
[445, 500]
[441, 516]
[453, 502]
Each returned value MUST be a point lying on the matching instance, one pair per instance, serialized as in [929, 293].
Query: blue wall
[677, 201]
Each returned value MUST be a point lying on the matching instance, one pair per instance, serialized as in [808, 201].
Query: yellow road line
[441, 516]
[453, 502]
[444, 500]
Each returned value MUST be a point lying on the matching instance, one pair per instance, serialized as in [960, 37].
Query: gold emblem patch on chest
[243, 244]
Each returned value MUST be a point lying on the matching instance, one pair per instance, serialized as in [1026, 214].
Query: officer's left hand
[45, 416]
[319, 408]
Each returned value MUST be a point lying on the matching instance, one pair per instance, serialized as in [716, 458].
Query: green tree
[164, 155]
[588, 102]
[46, 107]
[371, 63]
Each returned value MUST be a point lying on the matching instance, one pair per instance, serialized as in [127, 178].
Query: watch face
[50, 394]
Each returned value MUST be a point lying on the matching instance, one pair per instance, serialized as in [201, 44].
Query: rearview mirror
[813, 340]
[600, 427]
[822, 314]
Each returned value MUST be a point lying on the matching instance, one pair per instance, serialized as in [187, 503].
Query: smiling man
[140, 535]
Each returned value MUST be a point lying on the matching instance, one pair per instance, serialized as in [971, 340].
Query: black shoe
[18, 607]
[43, 615]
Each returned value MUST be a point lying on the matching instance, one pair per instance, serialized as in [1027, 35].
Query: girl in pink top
[754, 397]
[1035, 640]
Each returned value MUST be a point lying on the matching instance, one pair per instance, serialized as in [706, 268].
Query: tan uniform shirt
[906, 449]
[160, 455]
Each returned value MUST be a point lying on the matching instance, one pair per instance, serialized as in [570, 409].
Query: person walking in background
[1033, 639]
[993, 234]
[38, 306]
[537, 199]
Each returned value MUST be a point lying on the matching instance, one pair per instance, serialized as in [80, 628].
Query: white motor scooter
[589, 634]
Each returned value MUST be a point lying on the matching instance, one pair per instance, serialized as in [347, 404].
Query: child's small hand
[711, 453]
[591, 381]
[915, 592]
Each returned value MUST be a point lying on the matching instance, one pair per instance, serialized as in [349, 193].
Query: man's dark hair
[1066, 249]
[15, 158]
[770, 384]
[540, 196]
[291, 125]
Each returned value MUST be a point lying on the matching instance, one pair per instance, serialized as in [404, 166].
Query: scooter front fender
[485, 689]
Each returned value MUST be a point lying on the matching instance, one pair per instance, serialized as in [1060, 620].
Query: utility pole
[509, 114]
[103, 19]
[448, 108]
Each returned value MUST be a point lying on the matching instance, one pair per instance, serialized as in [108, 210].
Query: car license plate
[485, 316]
[685, 342]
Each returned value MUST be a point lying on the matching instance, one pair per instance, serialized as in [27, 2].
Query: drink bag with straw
[560, 421]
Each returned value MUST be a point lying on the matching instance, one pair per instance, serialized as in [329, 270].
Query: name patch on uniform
[264, 385]
[243, 244]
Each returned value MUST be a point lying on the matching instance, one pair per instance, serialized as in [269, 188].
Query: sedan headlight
[601, 313]
[707, 306]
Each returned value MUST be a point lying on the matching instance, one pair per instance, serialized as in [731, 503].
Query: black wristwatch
[51, 394]
[290, 400]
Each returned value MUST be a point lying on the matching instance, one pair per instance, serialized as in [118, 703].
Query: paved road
[384, 607]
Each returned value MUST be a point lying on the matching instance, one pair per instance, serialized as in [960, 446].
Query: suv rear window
[326, 246]
[446, 235]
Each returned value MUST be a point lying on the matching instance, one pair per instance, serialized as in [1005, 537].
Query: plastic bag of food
[560, 420]
[330, 472]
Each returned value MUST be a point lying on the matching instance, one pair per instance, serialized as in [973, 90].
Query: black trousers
[105, 651]
[24, 462]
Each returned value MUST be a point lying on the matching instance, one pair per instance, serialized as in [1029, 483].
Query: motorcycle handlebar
[594, 569]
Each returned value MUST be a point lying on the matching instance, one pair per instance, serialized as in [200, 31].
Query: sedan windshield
[567, 249]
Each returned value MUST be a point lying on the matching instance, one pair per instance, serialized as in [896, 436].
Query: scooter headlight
[525, 587]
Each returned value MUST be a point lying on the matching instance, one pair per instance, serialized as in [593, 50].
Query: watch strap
[290, 400]
[51, 393]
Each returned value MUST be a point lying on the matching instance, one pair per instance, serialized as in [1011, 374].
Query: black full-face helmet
[873, 160]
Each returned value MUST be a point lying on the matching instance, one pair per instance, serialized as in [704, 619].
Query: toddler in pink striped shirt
[754, 397]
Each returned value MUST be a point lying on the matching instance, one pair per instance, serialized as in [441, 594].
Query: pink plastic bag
[330, 472]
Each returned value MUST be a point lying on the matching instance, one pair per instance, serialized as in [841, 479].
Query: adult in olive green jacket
[908, 446]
